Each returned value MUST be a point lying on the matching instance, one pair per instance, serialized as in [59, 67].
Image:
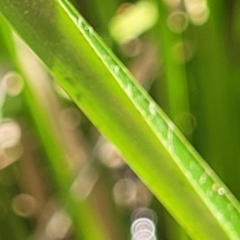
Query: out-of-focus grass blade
[126, 26]
[80, 211]
[12, 225]
[36, 99]
[215, 100]
[172, 45]
[122, 111]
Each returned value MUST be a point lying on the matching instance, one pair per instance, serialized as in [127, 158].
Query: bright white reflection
[144, 212]
[10, 133]
[197, 10]
[58, 226]
[143, 229]
[109, 155]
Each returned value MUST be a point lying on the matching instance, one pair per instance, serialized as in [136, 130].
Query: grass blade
[176, 82]
[120, 109]
[33, 94]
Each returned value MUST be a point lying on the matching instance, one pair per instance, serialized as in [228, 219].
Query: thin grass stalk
[12, 225]
[172, 48]
[80, 212]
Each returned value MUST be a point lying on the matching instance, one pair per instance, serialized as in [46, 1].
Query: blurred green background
[184, 52]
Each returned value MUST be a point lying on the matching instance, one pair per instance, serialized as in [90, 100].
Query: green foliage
[58, 172]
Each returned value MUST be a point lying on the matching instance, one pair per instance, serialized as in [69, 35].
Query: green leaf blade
[123, 112]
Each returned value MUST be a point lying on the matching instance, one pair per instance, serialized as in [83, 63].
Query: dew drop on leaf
[129, 89]
[80, 22]
[221, 191]
[203, 178]
[152, 108]
[170, 136]
[116, 69]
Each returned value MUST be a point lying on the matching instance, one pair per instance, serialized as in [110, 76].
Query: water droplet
[90, 29]
[214, 187]
[129, 89]
[170, 136]
[221, 191]
[116, 69]
[86, 27]
[152, 108]
[80, 22]
[203, 178]
[171, 126]
[143, 229]
[107, 58]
